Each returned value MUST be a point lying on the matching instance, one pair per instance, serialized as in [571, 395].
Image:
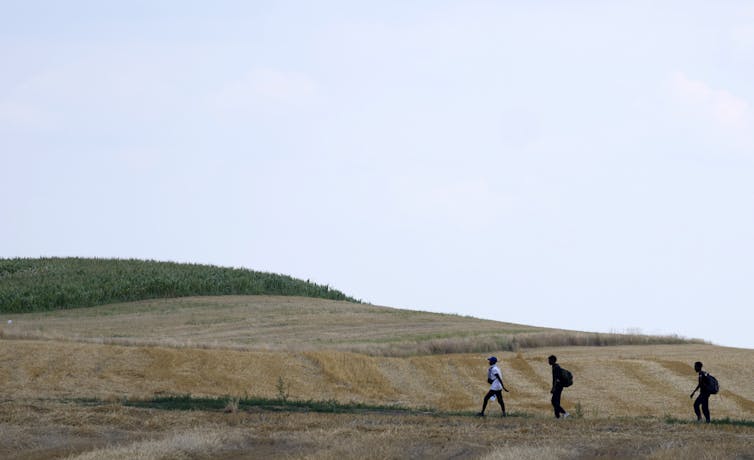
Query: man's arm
[698, 386]
[497, 377]
[555, 375]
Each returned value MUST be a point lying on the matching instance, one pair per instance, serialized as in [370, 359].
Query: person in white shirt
[495, 379]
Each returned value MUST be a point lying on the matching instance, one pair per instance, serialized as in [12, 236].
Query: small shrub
[578, 411]
[282, 389]
[232, 406]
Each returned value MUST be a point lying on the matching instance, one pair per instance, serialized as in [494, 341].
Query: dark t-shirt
[703, 390]
[555, 375]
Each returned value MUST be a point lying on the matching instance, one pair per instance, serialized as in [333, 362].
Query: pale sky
[584, 164]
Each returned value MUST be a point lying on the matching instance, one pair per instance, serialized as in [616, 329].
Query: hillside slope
[68, 378]
[60, 283]
[297, 324]
[609, 381]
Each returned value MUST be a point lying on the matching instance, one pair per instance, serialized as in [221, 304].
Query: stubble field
[67, 378]
[111, 431]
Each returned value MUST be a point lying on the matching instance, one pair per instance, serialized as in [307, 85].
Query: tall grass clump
[512, 342]
[593, 339]
[28, 285]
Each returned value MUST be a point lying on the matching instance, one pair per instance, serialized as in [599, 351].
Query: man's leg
[705, 406]
[697, 403]
[486, 398]
[499, 395]
[556, 401]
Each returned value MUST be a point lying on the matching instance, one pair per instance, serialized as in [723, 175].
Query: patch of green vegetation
[44, 284]
[284, 404]
[736, 422]
[723, 421]
[188, 402]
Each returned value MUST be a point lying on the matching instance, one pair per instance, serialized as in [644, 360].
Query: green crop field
[60, 283]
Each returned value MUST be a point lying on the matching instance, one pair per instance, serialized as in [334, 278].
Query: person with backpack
[561, 378]
[707, 386]
[495, 379]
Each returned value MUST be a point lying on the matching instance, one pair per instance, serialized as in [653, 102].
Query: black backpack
[710, 384]
[566, 378]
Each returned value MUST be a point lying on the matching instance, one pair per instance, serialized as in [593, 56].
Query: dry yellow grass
[57, 430]
[609, 381]
[290, 323]
[623, 392]
[181, 445]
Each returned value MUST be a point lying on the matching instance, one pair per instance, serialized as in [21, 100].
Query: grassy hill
[137, 302]
[88, 381]
[28, 285]
[286, 323]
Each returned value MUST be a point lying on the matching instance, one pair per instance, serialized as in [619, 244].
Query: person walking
[557, 387]
[495, 379]
[704, 393]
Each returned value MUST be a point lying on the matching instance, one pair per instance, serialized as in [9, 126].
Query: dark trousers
[703, 401]
[556, 392]
[499, 395]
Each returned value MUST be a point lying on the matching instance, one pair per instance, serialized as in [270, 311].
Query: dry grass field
[262, 323]
[253, 323]
[65, 376]
[111, 431]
